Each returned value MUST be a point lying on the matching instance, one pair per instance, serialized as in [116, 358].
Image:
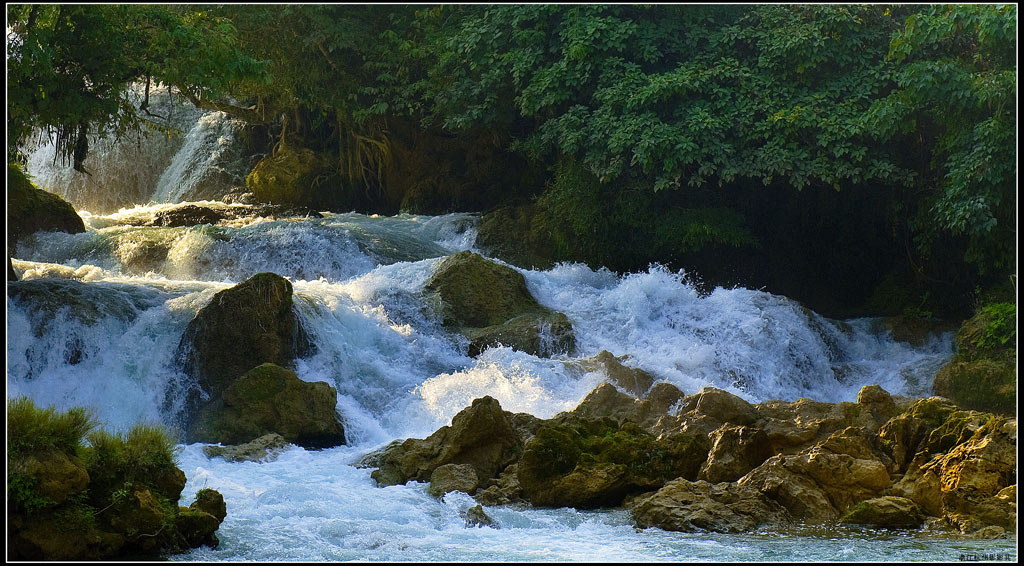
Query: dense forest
[859, 158]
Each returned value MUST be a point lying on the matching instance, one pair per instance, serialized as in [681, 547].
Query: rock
[921, 487]
[969, 510]
[587, 463]
[212, 502]
[12, 275]
[490, 305]
[187, 215]
[264, 449]
[293, 176]
[794, 426]
[197, 527]
[30, 210]
[56, 475]
[822, 482]
[735, 450]
[480, 435]
[452, 477]
[710, 408]
[686, 506]
[886, 512]
[242, 327]
[607, 401]
[983, 373]
[271, 399]
[985, 385]
[878, 402]
[906, 434]
[633, 380]
[475, 517]
[505, 491]
[987, 462]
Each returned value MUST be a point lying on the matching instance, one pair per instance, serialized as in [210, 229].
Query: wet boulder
[263, 449]
[242, 327]
[292, 176]
[187, 215]
[886, 512]
[271, 399]
[480, 436]
[792, 426]
[453, 477]
[31, 209]
[634, 381]
[686, 506]
[587, 463]
[490, 305]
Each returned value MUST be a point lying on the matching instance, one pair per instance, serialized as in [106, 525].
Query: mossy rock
[518, 235]
[887, 512]
[242, 327]
[293, 176]
[30, 209]
[272, 399]
[587, 463]
[983, 373]
[481, 436]
[983, 385]
[490, 304]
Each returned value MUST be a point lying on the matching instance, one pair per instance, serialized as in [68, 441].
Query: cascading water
[182, 153]
[98, 316]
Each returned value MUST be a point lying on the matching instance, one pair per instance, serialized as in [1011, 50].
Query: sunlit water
[359, 285]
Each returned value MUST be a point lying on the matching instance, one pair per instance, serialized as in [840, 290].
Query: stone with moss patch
[490, 304]
[271, 399]
[983, 373]
[30, 209]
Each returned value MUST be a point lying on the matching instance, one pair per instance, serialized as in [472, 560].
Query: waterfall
[186, 154]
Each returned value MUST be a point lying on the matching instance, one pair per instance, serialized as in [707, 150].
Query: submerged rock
[187, 215]
[263, 449]
[682, 505]
[242, 327]
[490, 305]
[272, 399]
[475, 517]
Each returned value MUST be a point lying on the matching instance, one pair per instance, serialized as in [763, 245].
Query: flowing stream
[98, 316]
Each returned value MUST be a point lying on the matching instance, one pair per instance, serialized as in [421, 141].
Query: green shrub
[1001, 329]
[31, 429]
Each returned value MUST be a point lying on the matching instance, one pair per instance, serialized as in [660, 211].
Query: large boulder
[587, 463]
[490, 305]
[271, 399]
[294, 176]
[242, 327]
[822, 482]
[30, 210]
[481, 436]
[682, 505]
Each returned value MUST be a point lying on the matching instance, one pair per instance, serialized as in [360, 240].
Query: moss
[293, 176]
[990, 334]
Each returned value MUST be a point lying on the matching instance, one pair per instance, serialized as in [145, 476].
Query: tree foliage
[77, 69]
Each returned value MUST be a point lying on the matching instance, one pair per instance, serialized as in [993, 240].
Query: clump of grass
[136, 456]
[31, 429]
